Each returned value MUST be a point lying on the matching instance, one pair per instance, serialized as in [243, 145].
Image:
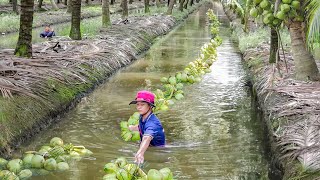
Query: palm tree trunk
[69, 6]
[124, 9]
[75, 32]
[146, 6]
[181, 5]
[190, 2]
[54, 5]
[24, 44]
[170, 8]
[158, 3]
[106, 22]
[274, 46]
[305, 65]
[65, 2]
[15, 6]
[186, 4]
[40, 4]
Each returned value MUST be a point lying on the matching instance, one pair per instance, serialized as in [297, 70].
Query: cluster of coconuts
[51, 157]
[120, 169]
[286, 9]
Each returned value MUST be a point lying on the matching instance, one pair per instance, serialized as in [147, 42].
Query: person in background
[150, 128]
[47, 33]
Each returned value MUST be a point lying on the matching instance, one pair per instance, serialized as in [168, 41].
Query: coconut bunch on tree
[52, 157]
[121, 169]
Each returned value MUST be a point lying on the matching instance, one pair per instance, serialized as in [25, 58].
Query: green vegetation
[258, 37]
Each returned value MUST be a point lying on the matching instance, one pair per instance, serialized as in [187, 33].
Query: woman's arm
[139, 157]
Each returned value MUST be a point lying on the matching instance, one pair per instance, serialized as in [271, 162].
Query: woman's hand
[139, 158]
[133, 128]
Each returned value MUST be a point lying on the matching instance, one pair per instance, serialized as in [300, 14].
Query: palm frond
[302, 142]
[312, 8]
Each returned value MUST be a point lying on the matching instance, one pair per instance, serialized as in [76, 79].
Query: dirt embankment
[62, 71]
[291, 111]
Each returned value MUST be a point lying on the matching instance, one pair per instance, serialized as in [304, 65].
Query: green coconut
[257, 1]
[264, 4]
[37, 161]
[285, 7]
[132, 121]
[207, 70]
[85, 152]
[295, 4]
[254, 12]
[10, 176]
[110, 168]
[3, 163]
[286, 1]
[184, 77]
[126, 135]
[25, 174]
[154, 174]
[121, 162]
[112, 176]
[56, 142]
[164, 80]
[14, 165]
[27, 160]
[191, 79]
[39, 172]
[62, 166]
[3, 173]
[164, 107]
[124, 125]
[166, 173]
[122, 174]
[63, 158]
[280, 15]
[172, 80]
[178, 96]
[48, 148]
[136, 115]
[179, 86]
[135, 136]
[131, 168]
[178, 76]
[50, 164]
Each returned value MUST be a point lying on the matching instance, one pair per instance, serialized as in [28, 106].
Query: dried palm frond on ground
[75, 62]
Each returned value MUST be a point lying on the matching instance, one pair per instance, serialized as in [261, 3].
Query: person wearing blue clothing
[150, 127]
[47, 33]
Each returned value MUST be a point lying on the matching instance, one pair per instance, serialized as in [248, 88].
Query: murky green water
[213, 133]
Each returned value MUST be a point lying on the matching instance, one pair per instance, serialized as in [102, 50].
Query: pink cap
[144, 96]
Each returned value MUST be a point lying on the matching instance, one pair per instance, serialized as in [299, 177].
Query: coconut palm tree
[124, 5]
[106, 22]
[146, 6]
[305, 64]
[24, 44]
[170, 7]
[75, 32]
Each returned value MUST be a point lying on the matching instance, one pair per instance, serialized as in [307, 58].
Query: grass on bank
[260, 36]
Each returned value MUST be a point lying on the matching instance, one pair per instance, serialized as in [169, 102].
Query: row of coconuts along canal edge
[120, 169]
[287, 9]
[52, 157]
[173, 85]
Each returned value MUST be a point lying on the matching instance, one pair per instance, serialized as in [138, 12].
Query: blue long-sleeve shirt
[47, 34]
